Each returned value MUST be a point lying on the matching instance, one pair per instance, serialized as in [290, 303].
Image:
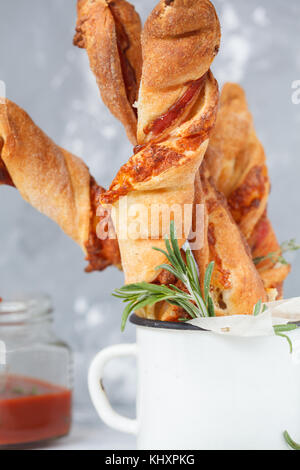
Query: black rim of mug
[165, 325]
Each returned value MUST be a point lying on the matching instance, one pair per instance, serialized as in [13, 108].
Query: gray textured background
[51, 79]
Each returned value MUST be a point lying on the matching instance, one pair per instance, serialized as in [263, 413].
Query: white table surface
[94, 437]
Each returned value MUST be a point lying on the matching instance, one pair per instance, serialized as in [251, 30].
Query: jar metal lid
[26, 310]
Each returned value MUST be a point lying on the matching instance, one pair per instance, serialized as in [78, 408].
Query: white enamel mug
[200, 391]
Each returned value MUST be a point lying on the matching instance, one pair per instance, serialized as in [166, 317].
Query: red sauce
[249, 195]
[138, 148]
[174, 112]
[33, 411]
[221, 276]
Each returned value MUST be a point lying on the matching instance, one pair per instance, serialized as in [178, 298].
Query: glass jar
[35, 375]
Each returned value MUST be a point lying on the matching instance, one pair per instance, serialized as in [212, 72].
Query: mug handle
[98, 394]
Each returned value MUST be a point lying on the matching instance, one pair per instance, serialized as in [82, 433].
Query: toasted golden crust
[55, 182]
[173, 34]
[34, 162]
[230, 139]
[180, 40]
[153, 162]
[164, 311]
[101, 252]
[169, 193]
[236, 160]
[167, 168]
[110, 31]
[236, 285]
[179, 123]
[263, 242]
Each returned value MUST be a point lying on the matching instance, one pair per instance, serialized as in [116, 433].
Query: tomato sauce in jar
[33, 411]
[35, 374]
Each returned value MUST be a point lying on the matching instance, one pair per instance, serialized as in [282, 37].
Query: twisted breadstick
[236, 285]
[237, 162]
[55, 182]
[177, 110]
[110, 31]
[180, 41]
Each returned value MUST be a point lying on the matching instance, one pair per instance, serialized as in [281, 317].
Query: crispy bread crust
[166, 163]
[52, 180]
[155, 159]
[236, 285]
[34, 162]
[110, 31]
[167, 168]
[262, 242]
[100, 253]
[236, 160]
[173, 34]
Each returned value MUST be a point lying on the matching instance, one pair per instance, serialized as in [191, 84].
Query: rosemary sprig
[257, 308]
[290, 441]
[279, 330]
[286, 247]
[143, 294]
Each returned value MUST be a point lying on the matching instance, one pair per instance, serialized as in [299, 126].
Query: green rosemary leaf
[257, 308]
[127, 311]
[282, 260]
[146, 302]
[171, 270]
[175, 288]
[171, 255]
[281, 329]
[137, 289]
[285, 328]
[201, 305]
[155, 288]
[207, 280]
[290, 245]
[260, 259]
[125, 297]
[210, 307]
[155, 248]
[186, 305]
[175, 246]
[192, 271]
[126, 291]
[171, 259]
[288, 340]
[143, 301]
[143, 294]
[293, 445]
